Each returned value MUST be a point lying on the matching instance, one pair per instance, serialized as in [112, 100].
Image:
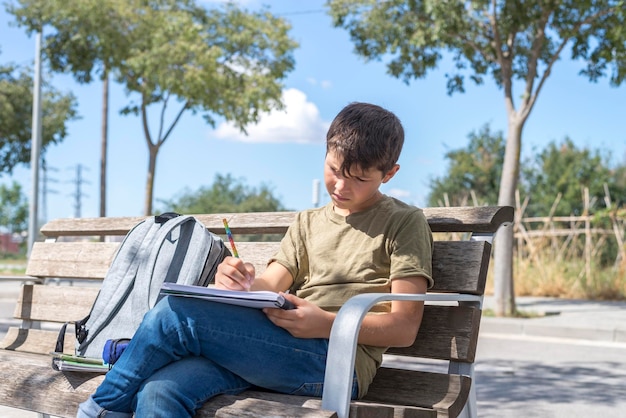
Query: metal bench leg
[469, 410]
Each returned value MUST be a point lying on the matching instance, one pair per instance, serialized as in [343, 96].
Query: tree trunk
[103, 142]
[503, 251]
[153, 151]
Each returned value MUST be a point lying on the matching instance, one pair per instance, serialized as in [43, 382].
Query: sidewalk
[562, 318]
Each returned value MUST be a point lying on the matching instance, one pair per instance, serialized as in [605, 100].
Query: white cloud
[399, 193]
[299, 122]
[325, 84]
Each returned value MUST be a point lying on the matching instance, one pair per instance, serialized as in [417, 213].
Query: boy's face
[356, 192]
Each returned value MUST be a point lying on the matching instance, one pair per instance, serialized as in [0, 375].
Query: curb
[527, 327]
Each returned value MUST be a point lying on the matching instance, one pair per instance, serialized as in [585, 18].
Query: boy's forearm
[399, 327]
[275, 278]
[389, 330]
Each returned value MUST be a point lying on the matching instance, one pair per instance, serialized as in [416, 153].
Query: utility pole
[45, 179]
[316, 193]
[78, 194]
[33, 228]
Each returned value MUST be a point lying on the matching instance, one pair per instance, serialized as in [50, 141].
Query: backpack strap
[189, 240]
[121, 276]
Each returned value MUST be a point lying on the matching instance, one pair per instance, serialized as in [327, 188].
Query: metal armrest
[343, 342]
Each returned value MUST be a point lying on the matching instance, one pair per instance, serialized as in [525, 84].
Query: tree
[618, 174]
[13, 208]
[16, 109]
[72, 48]
[563, 169]
[473, 173]
[516, 43]
[226, 195]
[224, 62]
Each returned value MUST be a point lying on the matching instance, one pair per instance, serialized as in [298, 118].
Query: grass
[518, 314]
[12, 266]
[566, 279]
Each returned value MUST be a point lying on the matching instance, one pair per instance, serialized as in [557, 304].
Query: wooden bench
[73, 260]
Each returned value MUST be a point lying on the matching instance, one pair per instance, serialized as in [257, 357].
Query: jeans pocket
[316, 389]
[309, 389]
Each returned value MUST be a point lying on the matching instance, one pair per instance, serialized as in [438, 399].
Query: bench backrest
[73, 250]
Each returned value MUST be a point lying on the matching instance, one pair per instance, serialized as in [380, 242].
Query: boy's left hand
[307, 320]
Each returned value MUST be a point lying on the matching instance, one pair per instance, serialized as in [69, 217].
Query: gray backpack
[164, 248]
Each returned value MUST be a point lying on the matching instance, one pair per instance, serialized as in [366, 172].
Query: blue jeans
[188, 350]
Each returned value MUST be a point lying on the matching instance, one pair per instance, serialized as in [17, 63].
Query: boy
[188, 350]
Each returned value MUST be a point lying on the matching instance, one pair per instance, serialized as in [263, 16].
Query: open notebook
[252, 299]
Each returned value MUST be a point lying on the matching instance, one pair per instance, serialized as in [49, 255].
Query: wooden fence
[571, 237]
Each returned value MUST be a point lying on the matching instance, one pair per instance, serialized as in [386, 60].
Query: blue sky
[286, 150]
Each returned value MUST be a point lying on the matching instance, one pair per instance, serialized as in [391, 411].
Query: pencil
[230, 238]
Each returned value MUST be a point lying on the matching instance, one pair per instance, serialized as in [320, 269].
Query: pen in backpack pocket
[230, 238]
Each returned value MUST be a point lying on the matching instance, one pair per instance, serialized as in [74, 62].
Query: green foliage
[226, 195]
[82, 42]
[558, 169]
[473, 170]
[507, 40]
[619, 176]
[13, 208]
[172, 57]
[563, 169]
[16, 108]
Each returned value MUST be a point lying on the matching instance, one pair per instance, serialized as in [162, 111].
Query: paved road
[526, 376]
[569, 364]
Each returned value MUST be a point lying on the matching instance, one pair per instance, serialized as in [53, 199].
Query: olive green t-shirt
[333, 257]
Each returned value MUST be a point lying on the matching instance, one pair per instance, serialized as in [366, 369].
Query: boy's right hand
[234, 274]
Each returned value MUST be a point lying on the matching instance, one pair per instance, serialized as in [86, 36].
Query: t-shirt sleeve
[291, 250]
[412, 248]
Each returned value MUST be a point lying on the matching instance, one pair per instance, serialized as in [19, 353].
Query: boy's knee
[158, 398]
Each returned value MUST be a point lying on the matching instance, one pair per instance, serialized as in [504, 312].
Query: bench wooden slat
[484, 219]
[454, 219]
[54, 303]
[36, 341]
[39, 388]
[454, 259]
[254, 408]
[446, 333]
[397, 386]
[239, 223]
[82, 260]
[91, 260]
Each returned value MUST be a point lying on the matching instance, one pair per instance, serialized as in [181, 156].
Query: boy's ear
[391, 173]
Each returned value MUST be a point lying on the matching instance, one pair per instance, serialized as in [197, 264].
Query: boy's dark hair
[366, 136]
